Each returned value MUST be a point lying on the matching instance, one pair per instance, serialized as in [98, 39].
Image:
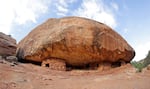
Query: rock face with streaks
[76, 42]
[7, 45]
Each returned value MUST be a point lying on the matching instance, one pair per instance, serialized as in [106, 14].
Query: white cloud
[61, 10]
[28, 10]
[115, 6]
[141, 50]
[62, 6]
[5, 28]
[95, 9]
[63, 3]
[20, 12]
[125, 30]
[6, 16]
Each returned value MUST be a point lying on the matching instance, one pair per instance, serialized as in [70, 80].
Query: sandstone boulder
[76, 41]
[7, 45]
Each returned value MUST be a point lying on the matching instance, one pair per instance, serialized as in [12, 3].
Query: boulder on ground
[11, 59]
[76, 42]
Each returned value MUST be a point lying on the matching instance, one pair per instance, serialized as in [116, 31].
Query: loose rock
[11, 59]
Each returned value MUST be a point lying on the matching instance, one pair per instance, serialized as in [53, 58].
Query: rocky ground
[29, 76]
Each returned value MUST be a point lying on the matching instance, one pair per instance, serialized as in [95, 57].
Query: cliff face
[7, 45]
[75, 40]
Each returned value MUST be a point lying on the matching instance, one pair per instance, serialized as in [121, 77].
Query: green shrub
[142, 63]
[138, 65]
[147, 60]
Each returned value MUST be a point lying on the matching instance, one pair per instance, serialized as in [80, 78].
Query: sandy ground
[29, 76]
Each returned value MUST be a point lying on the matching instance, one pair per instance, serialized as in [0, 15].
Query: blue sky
[130, 18]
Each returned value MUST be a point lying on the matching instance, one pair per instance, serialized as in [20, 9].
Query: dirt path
[28, 76]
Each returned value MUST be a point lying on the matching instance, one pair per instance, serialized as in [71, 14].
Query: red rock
[7, 45]
[75, 40]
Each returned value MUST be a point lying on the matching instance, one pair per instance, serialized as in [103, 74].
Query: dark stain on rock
[96, 40]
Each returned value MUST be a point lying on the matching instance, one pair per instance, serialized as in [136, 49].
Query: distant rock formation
[75, 42]
[7, 45]
[8, 50]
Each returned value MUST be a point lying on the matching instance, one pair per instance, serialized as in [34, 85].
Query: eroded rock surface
[78, 41]
[7, 45]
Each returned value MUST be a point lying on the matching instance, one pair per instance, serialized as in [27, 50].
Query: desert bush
[142, 63]
[138, 65]
[147, 60]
